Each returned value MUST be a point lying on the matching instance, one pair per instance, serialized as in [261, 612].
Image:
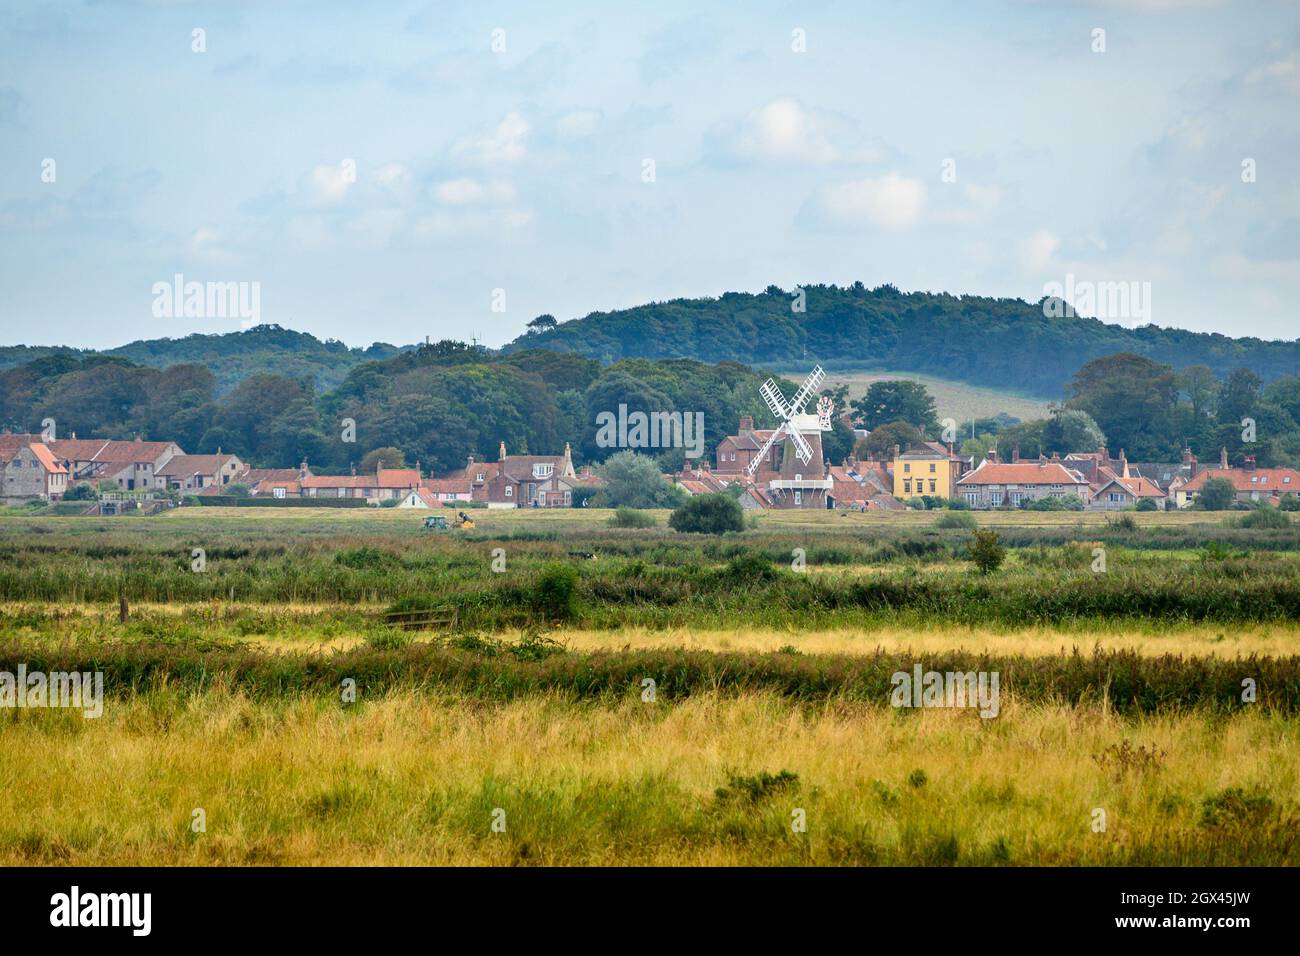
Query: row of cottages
[29, 471]
[997, 484]
[1252, 485]
[383, 485]
[524, 481]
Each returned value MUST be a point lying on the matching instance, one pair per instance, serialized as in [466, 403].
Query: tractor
[436, 523]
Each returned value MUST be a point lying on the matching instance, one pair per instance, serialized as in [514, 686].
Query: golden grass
[410, 779]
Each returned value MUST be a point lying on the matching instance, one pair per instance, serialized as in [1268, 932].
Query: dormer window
[543, 471]
[479, 477]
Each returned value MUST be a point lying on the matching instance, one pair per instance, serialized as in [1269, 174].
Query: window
[1017, 497]
[932, 469]
[931, 486]
[995, 498]
[972, 498]
[798, 477]
[1117, 496]
[510, 491]
[798, 497]
[277, 492]
[479, 477]
[542, 471]
[907, 466]
[907, 487]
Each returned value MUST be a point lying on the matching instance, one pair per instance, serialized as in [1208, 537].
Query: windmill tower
[801, 481]
[794, 421]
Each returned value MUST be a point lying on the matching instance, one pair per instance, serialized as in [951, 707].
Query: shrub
[80, 492]
[1264, 517]
[986, 551]
[1218, 494]
[1051, 503]
[957, 519]
[957, 504]
[367, 559]
[1290, 503]
[708, 514]
[760, 786]
[555, 593]
[631, 518]
[1147, 504]
[1122, 523]
[238, 491]
[916, 503]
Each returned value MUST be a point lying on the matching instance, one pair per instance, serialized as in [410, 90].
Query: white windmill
[794, 421]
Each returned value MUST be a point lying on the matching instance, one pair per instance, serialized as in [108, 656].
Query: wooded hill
[1006, 343]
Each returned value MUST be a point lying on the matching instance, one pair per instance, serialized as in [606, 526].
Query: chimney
[568, 457]
[1223, 458]
[1056, 456]
[417, 468]
[1015, 455]
[746, 423]
[501, 452]
[1042, 459]
[302, 470]
[379, 466]
[898, 449]
[1190, 461]
[1104, 454]
[469, 463]
[1250, 463]
[992, 455]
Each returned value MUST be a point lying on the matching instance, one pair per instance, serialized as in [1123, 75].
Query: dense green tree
[1217, 494]
[635, 481]
[1132, 399]
[708, 514]
[895, 401]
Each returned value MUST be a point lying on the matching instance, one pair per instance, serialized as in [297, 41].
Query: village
[765, 469]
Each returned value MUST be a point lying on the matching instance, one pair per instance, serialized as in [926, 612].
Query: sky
[389, 171]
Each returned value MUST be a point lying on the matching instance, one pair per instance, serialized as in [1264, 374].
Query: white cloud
[578, 123]
[891, 202]
[330, 183]
[1284, 73]
[460, 192]
[505, 145]
[1036, 252]
[783, 130]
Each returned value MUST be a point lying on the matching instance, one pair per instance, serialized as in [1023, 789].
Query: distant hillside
[983, 341]
[232, 356]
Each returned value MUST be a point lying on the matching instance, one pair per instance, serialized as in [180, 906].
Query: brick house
[531, 481]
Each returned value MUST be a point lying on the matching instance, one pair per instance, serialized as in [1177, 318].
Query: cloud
[1283, 74]
[1036, 252]
[890, 202]
[505, 145]
[578, 123]
[980, 202]
[783, 130]
[331, 183]
[460, 192]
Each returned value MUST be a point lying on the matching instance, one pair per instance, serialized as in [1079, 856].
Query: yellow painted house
[929, 468]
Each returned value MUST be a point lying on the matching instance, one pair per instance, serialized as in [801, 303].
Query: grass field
[524, 734]
[956, 400]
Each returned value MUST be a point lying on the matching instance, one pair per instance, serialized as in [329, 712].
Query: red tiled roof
[1265, 479]
[183, 466]
[456, 486]
[1021, 473]
[46, 458]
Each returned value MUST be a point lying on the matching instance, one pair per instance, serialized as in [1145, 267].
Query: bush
[1218, 494]
[1050, 503]
[963, 520]
[986, 551]
[1147, 504]
[708, 514]
[957, 504]
[1264, 517]
[916, 503]
[1122, 523]
[631, 518]
[556, 591]
[1290, 503]
[238, 491]
[80, 492]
